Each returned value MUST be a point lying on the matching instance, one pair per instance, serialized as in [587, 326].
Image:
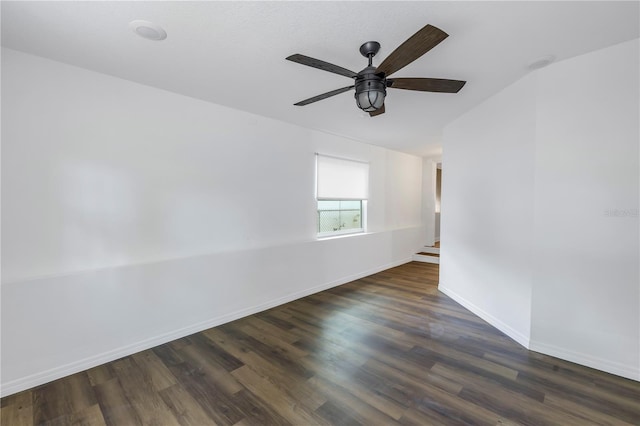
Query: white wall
[586, 297]
[487, 216]
[403, 190]
[531, 175]
[132, 216]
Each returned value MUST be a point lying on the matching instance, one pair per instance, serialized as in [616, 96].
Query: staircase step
[427, 259]
[429, 254]
[427, 249]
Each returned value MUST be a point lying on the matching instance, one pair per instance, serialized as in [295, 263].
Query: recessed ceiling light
[148, 30]
[541, 62]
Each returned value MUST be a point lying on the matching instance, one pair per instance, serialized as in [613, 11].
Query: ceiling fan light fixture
[370, 100]
[371, 89]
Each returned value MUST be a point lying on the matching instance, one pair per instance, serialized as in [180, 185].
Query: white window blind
[340, 179]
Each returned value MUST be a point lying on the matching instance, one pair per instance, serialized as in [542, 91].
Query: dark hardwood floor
[386, 349]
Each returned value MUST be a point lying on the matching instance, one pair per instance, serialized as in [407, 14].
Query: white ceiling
[232, 53]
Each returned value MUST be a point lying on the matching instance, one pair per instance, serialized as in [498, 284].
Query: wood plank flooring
[386, 349]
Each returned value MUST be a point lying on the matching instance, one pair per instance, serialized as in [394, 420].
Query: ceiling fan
[371, 82]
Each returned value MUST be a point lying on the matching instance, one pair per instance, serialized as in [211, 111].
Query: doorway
[438, 191]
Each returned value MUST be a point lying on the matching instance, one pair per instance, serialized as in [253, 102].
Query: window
[338, 216]
[342, 191]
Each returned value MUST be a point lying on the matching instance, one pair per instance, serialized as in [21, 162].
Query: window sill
[332, 235]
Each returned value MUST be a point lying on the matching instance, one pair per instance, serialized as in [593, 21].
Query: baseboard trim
[506, 329]
[601, 364]
[43, 377]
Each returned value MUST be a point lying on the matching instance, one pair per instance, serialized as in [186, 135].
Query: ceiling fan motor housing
[371, 89]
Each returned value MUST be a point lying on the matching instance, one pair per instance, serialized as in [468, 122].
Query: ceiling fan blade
[324, 96]
[322, 65]
[426, 84]
[377, 112]
[417, 45]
